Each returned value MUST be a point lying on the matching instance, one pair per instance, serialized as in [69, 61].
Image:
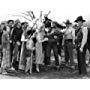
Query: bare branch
[33, 15]
[47, 14]
[41, 16]
[29, 13]
[22, 16]
[35, 23]
[25, 14]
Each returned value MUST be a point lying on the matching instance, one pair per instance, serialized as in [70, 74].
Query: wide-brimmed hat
[80, 18]
[68, 22]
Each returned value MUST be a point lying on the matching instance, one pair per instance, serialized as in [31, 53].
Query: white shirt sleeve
[23, 38]
[85, 35]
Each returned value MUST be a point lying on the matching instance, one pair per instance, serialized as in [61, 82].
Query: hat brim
[79, 20]
[68, 23]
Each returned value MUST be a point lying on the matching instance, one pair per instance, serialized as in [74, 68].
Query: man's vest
[88, 39]
[79, 36]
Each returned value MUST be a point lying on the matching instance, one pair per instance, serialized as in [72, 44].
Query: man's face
[23, 26]
[80, 23]
[11, 24]
[2, 26]
[19, 25]
[67, 25]
[52, 24]
[26, 25]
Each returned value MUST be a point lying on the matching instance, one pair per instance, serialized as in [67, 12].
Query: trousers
[81, 60]
[52, 46]
[68, 50]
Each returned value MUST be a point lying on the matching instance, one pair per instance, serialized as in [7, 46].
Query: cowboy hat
[68, 22]
[80, 18]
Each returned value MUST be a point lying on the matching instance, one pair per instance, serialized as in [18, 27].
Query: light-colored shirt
[85, 35]
[69, 33]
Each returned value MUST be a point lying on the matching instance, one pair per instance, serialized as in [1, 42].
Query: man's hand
[55, 37]
[10, 41]
[18, 43]
[81, 49]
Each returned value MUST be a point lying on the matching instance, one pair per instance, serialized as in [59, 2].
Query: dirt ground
[48, 74]
[45, 74]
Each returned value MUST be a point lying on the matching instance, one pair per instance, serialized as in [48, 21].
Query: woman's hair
[10, 21]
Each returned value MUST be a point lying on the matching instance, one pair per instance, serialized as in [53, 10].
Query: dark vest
[79, 36]
[88, 39]
[1, 32]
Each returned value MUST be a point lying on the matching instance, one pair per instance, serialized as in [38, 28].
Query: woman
[6, 51]
[39, 50]
[25, 53]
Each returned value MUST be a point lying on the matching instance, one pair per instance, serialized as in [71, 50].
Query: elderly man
[69, 37]
[81, 40]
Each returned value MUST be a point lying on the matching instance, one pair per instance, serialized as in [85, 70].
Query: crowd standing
[22, 45]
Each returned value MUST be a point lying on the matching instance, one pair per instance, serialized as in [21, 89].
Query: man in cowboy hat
[81, 39]
[69, 37]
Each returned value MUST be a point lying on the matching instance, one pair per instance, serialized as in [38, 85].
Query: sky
[60, 9]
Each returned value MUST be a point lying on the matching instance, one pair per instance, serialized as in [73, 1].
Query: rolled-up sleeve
[23, 39]
[85, 35]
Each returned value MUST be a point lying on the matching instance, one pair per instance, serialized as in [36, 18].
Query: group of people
[20, 43]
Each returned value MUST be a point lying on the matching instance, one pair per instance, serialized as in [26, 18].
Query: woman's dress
[39, 48]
